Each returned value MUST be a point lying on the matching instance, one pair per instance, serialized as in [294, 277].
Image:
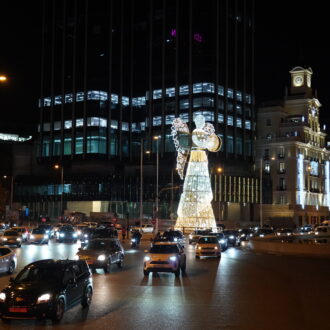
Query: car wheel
[107, 267]
[146, 272]
[87, 298]
[11, 267]
[58, 311]
[177, 273]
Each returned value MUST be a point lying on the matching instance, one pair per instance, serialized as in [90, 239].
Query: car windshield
[10, 233]
[164, 249]
[207, 240]
[36, 274]
[39, 231]
[67, 229]
[100, 245]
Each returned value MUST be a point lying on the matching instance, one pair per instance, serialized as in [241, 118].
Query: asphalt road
[241, 291]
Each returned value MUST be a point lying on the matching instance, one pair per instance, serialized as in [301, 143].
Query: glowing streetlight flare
[3, 78]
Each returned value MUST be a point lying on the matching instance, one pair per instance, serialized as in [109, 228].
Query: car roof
[166, 243]
[56, 263]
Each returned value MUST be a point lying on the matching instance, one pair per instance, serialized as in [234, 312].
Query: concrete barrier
[275, 246]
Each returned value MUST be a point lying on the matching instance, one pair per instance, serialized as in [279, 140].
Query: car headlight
[74, 235]
[101, 257]
[278, 234]
[146, 258]
[190, 236]
[61, 235]
[316, 233]
[133, 240]
[43, 298]
[173, 258]
[85, 235]
[47, 231]
[32, 236]
[288, 234]
[76, 257]
[251, 235]
[199, 248]
[222, 241]
[231, 237]
[18, 239]
[4, 239]
[215, 248]
[79, 232]
[175, 239]
[242, 235]
[45, 236]
[261, 235]
[2, 297]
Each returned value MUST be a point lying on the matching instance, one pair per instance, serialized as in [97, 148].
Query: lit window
[103, 96]
[247, 124]
[67, 124]
[282, 167]
[220, 118]
[136, 127]
[114, 124]
[68, 98]
[139, 101]
[197, 88]
[103, 122]
[57, 125]
[184, 104]
[125, 126]
[238, 96]
[170, 92]
[184, 90]
[221, 90]
[58, 99]
[169, 119]
[47, 102]
[269, 136]
[248, 98]
[230, 121]
[157, 121]
[125, 101]
[143, 126]
[208, 115]
[79, 122]
[157, 94]
[238, 109]
[230, 93]
[93, 95]
[46, 127]
[80, 97]
[239, 122]
[208, 87]
[114, 98]
[93, 121]
[267, 168]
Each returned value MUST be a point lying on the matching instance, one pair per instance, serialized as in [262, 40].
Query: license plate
[18, 309]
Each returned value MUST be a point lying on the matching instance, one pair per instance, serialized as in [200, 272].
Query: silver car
[8, 260]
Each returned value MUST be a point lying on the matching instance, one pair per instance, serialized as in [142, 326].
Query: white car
[165, 257]
[144, 228]
[8, 260]
[322, 231]
[39, 235]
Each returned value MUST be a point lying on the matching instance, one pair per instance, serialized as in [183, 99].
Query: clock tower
[301, 81]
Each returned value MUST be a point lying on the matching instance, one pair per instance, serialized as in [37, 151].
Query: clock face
[298, 80]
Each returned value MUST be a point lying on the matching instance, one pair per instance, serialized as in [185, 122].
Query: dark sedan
[67, 234]
[101, 253]
[232, 236]
[46, 289]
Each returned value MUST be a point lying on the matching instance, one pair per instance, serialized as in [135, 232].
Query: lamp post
[219, 171]
[11, 190]
[157, 178]
[57, 167]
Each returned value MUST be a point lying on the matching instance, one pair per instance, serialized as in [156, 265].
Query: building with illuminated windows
[114, 75]
[291, 148]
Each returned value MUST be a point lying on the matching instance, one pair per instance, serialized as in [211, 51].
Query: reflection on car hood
[161, 256]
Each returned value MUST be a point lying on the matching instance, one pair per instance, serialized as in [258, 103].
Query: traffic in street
[239, 290]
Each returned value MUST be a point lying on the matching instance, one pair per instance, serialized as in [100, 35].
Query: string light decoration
[195, 209]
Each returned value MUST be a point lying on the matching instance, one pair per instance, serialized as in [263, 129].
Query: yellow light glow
[219, 169]
[3, 78]
[56, 166]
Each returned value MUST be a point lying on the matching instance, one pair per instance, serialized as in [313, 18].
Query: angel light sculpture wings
[195, 209]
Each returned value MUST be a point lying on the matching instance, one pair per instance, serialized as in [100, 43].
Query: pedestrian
[123, 232]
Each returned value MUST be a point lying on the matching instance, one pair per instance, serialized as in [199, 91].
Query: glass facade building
[116, 73]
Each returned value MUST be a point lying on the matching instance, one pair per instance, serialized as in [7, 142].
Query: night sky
[288, 34]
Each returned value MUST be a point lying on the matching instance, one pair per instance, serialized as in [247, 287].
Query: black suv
[67, 234]
[46, 289]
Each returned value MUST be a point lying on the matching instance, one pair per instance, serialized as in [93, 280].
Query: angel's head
[199, 121]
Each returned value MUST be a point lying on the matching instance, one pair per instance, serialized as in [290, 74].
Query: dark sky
[288, 34]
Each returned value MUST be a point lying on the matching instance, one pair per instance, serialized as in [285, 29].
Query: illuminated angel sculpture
[195, 209]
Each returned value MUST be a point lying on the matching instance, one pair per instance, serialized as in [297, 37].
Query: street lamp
[11, 190]
[57, 167]
[157, 177]
[3, 78]
[219, 171]
[141, 181]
